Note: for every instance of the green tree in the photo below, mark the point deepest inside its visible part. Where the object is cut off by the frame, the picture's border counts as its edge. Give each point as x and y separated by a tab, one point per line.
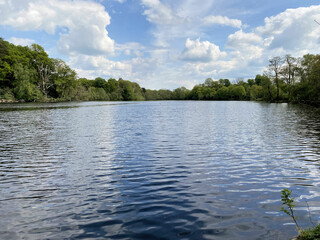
64	79
275	68
126	90
251	82
112	85
197	93
23	87
237	92
209	83
100	83
225	82
267	88
258	79
223	93
256	92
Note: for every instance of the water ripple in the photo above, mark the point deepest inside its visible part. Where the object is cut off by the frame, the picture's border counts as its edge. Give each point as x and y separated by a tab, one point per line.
156	170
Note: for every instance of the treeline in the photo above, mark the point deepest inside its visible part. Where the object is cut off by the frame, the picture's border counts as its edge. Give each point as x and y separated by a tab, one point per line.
287	79
28	74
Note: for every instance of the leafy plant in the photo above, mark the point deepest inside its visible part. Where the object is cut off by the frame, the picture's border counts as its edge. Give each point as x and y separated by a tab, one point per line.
288	201
310	234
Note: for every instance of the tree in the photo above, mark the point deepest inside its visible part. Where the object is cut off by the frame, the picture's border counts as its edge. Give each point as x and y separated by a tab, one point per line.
288	72
23	87
4	48
258	79
43	64
251	82
208	93
225	82
256	92
223	93
180	93
100	83
197	93
237	92
126	90
86	83
64	79
112	85
267	88
209	82
165	94
275	67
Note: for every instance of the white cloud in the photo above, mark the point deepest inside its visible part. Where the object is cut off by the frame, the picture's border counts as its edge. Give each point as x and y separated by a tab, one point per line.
293	30
159	13
245	46
131	49
201	51
21	41
194	9
99	66
222	20
97	63
170	21
240	39
145	71
290	32
84	23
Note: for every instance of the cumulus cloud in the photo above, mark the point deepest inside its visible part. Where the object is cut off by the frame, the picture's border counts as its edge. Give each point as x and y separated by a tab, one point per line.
159	13
171	20
21	41
145	71
293	30
201	51
222	20
245	46
240	38
99	66
84	23
98	62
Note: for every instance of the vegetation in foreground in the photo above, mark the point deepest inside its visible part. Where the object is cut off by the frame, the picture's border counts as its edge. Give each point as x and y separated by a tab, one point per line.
310	234
307	234
29	74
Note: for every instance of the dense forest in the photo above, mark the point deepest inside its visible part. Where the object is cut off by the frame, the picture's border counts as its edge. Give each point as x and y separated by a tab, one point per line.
28	74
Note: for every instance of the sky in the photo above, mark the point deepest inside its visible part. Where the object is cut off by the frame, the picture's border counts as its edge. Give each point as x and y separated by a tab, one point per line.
164	44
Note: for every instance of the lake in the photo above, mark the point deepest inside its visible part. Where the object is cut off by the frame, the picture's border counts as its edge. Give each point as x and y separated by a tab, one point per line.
157	170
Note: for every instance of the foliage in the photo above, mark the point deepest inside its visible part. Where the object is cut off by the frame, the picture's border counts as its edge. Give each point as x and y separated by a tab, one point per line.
288	201
307	234
310	234
23	86
6	94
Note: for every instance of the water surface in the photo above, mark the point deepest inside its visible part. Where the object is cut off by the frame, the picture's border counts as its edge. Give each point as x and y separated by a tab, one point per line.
156	170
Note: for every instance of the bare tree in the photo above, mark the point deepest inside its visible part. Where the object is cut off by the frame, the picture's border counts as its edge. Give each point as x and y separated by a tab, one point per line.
45	73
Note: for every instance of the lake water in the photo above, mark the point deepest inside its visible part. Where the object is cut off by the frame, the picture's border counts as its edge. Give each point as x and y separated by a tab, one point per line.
157	170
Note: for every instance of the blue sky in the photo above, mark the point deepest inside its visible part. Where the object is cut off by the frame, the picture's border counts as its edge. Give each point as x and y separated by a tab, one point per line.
164	43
